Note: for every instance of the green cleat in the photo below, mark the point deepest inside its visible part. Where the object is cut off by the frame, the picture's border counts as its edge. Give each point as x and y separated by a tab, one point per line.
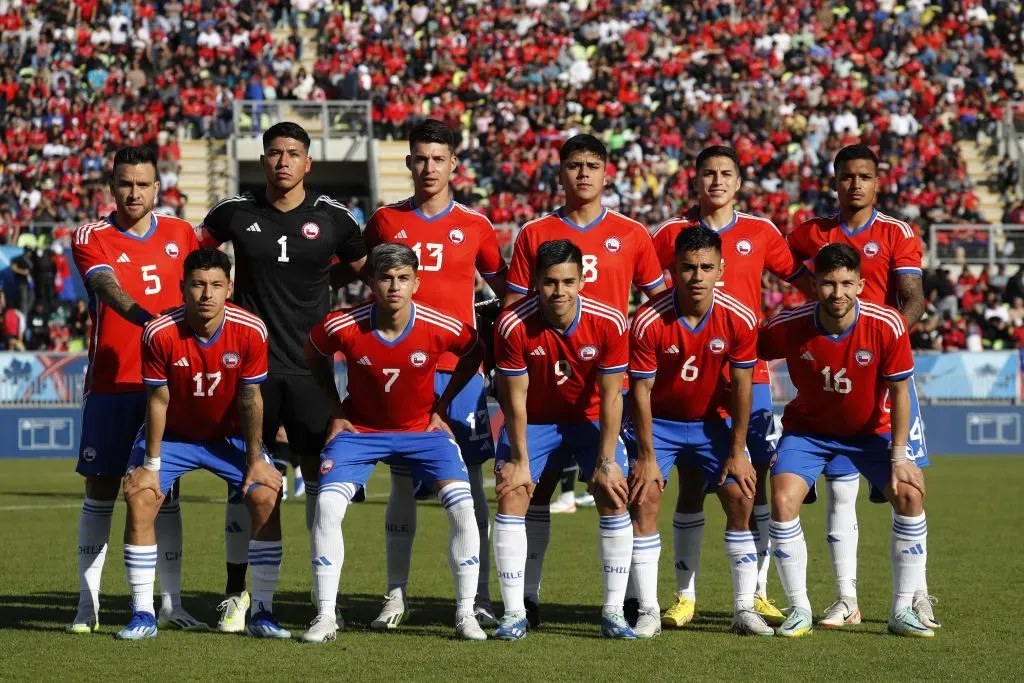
906	623
798	623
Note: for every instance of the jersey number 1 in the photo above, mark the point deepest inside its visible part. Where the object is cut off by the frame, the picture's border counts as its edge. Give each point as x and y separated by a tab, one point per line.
283	258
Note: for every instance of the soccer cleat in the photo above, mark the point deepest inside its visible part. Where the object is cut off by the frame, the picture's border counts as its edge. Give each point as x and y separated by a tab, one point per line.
178	618
749	623
842	612
564	504
300	488
339	620
142	626
679	614
907	624
798	623
631	610
768	611
923	607
483	610
322	629
233	611
615	626
85	623
263	625
532	612
512	627
648	623
392	614
585	500
468	628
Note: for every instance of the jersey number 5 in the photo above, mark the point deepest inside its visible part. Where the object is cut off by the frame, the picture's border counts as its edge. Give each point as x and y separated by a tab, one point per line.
151	279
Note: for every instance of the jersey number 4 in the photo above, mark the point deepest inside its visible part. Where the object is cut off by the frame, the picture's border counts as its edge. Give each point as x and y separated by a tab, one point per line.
212	380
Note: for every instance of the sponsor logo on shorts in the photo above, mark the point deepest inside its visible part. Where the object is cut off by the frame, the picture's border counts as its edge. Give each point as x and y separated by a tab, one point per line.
326	465
230	360
310	231
717	345
612	244
456	236
744	248
871	249
171	249
588	352
863	357
418	359
89	454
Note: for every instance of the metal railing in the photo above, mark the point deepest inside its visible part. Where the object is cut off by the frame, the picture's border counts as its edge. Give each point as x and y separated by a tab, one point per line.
977	244
1011	139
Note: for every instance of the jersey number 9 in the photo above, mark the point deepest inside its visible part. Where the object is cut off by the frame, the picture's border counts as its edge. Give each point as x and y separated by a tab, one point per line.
562	370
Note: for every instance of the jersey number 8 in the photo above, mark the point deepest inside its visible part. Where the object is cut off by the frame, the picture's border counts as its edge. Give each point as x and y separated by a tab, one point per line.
589	268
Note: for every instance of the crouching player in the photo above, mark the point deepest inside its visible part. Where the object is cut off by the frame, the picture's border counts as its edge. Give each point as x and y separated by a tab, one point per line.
846	357
202	365
560	359
392	347
680	342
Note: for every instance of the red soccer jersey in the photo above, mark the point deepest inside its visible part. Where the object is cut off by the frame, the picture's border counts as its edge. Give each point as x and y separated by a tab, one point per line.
149	270
451	247
840	381
750	245
688	364
203	377
617	252
391	384
563	367
887	247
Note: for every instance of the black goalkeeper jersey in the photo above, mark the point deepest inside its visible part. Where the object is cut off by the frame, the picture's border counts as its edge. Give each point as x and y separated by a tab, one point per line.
282	264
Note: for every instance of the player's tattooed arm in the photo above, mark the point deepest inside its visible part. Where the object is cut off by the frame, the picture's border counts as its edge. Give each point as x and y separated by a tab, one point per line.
250	412
104	283
608	477
911	290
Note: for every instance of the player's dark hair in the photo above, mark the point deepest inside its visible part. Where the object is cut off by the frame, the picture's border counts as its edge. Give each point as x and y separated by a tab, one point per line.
133	156
715	151
385	257
855	153
286	129
584	142
835	256
556	252
430	131
207	258
697	238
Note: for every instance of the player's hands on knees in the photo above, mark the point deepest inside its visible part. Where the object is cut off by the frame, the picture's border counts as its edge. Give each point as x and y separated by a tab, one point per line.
908	474
438	423
336	426
644	477
608	478
512	476
262	472
739	467
140	479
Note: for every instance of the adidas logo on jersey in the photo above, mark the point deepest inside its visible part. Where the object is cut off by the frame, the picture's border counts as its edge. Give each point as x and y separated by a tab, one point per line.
182	362
365	360
123	258
400	235
539	351
255	227
806	355
673	349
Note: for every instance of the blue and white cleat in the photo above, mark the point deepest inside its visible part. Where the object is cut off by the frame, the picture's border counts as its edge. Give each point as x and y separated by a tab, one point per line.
799	622
907	624
142	626
512	627
263	625
615	626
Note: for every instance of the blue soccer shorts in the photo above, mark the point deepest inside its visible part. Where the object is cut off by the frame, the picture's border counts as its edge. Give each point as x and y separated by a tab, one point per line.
110	426
224	457
761	437
554	446
469	418
430	457
702	444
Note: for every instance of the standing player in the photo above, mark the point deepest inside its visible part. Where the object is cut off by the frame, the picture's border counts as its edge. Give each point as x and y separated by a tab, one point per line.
560	358
850	361
750	245
451	243
284	241
617	254
681	343
202	365
392	347
891	263
131	264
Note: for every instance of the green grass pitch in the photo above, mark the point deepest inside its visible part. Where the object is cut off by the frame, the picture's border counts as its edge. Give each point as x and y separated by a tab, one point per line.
974	567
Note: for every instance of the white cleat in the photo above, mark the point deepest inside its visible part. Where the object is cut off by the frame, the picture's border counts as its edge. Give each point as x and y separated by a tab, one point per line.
648	623
585	500
233	611
392	614
923	608
323	629
86	622
564	504
467	628
842	612
483	610
177	618
749	623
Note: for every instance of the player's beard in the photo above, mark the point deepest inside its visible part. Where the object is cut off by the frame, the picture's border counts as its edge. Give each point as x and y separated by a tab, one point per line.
839	309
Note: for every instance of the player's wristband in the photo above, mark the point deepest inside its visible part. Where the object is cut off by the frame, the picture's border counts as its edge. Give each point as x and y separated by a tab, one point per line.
152	464
899	453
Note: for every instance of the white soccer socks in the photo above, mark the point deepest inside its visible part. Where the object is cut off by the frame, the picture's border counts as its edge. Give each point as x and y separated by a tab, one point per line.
742	554
483	525
842	533
510	556
169	545
93	534
265	568
399	531
762	513
687	533
615	548
644	572
538	535
327	544
790	552
909	553
463	544
140	568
